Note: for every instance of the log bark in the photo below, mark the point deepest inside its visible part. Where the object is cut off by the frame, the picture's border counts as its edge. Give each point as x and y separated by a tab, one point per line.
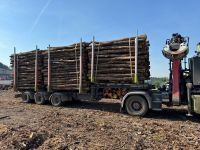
111	65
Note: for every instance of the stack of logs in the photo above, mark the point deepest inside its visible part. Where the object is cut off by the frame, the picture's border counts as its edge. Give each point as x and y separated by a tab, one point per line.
114	93
114	61
65	67
25	70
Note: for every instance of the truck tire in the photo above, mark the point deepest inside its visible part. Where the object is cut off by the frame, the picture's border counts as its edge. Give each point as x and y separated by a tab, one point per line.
136	106
27	97
39	98
56	99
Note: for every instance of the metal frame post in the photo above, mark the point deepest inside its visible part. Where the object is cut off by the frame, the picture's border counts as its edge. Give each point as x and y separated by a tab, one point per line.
92	60
136	60
131	66
14	71
49	70
36	69
81	68
17	70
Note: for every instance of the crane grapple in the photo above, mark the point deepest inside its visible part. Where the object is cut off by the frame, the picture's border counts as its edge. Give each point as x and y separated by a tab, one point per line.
176	48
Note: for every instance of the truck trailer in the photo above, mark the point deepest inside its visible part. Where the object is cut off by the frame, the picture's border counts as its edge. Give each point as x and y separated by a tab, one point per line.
87	71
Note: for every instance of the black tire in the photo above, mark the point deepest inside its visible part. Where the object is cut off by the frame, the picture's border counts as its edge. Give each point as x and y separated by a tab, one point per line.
56	99
39	98
27	97
136	106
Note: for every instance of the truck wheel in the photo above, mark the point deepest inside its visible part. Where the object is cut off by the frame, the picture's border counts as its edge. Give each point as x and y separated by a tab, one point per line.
39	98
56	99
136	106
27	97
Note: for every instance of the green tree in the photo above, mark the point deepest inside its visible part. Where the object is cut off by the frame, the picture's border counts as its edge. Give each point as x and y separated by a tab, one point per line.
157	84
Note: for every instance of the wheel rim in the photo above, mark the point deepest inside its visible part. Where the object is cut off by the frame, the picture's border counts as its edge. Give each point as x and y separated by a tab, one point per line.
39	98
136	106
25	97
56	101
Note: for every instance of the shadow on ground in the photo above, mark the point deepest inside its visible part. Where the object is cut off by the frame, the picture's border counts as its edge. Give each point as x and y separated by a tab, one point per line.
170	113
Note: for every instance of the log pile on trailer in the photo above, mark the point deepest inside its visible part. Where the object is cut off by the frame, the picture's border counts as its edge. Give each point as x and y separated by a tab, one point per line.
114	93
28	65
114	61
62	68
65	67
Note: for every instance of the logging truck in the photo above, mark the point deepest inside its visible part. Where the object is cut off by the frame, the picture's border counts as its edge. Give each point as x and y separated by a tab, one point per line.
53	76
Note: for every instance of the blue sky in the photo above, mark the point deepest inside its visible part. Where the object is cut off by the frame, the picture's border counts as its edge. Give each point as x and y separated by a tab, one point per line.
25	23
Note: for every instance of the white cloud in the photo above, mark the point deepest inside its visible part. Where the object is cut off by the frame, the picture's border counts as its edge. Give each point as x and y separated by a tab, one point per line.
39	15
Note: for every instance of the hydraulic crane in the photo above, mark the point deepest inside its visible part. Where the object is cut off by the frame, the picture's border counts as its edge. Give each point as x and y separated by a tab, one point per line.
184	84
175	50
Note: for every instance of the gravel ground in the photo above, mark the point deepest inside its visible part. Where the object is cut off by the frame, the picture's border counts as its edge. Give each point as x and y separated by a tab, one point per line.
90	125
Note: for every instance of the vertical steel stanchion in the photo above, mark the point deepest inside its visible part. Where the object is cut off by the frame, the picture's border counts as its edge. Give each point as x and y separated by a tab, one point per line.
92	61
14	71
36	69
81	68
49	70
130	55
136	60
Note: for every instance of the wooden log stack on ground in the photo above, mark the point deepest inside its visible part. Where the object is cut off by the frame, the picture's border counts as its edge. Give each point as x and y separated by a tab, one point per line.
25	70
114	61
65	67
